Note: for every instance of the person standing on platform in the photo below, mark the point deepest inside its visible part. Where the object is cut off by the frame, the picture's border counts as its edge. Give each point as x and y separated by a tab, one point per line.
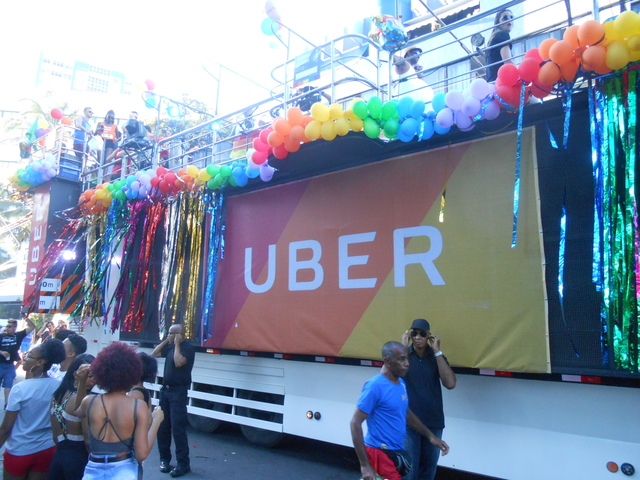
83	132
428	369
10	342
499	50
109	134
179	356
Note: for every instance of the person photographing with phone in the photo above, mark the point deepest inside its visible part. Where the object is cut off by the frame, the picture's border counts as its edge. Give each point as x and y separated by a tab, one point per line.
428	370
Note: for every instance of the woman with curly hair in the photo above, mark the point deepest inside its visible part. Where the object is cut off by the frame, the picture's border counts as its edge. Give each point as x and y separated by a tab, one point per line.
26	428
72	447
121	430
149	370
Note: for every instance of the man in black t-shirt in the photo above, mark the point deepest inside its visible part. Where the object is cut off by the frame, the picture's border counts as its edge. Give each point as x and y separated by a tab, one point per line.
179	356
9	353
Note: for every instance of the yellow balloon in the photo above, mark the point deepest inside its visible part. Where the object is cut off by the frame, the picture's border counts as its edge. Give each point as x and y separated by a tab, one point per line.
626	24
634	43
617	55
342	126
99	194
42	123
335	111
328	131
610	32
312	130
348	114
193	171
356	124
320	112
204	175
634	56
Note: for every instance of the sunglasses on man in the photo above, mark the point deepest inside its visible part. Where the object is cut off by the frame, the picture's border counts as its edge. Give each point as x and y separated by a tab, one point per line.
415	333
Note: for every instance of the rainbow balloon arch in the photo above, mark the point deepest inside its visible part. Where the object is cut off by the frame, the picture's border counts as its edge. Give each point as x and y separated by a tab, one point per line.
589	50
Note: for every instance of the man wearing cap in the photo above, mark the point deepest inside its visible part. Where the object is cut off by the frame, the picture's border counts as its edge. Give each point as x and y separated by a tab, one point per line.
411	78
428	369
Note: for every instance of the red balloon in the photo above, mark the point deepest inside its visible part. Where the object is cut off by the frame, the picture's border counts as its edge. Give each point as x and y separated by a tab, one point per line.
529	69
265	133
164	187
161	171
154	181
259	157
535	54
280	152
511	95
259	145
508	74
57	113
170	177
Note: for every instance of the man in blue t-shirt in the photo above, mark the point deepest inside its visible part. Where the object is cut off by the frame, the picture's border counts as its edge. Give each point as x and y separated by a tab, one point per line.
10	342
384	404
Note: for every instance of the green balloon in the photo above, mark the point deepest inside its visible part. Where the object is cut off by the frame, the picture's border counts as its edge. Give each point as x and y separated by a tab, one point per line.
389	110
360	109
232	181
213	170
211	184
375	107
120	195
391	128
371	128
218	180
225	171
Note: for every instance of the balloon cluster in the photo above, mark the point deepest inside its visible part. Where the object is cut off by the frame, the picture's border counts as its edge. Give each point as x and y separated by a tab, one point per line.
34	174
328	122
57	114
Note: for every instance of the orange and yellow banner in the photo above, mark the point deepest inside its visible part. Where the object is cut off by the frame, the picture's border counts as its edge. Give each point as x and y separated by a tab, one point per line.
339	264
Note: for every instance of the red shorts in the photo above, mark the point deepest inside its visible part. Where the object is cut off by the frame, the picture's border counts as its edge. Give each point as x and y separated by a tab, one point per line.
382	464
19	465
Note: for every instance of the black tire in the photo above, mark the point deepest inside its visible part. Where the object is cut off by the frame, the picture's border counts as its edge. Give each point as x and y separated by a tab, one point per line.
204	424
262	437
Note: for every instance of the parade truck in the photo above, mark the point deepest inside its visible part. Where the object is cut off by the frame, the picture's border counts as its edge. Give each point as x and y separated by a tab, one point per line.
516	237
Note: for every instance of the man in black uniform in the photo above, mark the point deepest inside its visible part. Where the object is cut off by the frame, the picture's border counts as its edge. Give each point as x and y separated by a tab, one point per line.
10	342
179	355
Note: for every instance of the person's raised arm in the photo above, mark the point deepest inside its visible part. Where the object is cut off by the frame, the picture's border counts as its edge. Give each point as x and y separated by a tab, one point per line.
157	352
178	358
447	375
81	374
30	325
415	423
357	436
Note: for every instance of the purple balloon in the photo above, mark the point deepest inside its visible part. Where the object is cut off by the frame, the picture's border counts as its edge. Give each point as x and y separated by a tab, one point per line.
266	172
491	111
444	118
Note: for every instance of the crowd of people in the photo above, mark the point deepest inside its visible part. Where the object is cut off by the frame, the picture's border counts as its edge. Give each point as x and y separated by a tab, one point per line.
57	427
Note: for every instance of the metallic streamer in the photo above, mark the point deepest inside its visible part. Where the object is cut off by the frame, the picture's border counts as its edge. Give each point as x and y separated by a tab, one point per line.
516	187
216	214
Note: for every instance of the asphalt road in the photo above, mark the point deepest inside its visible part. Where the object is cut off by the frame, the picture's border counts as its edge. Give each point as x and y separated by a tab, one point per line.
226	454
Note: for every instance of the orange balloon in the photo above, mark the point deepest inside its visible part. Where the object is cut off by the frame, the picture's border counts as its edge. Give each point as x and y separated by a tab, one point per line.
291	145
545	45
65	121
549	74
593	58
296	134
282	126
294	116
275	139
571	35
306	120
561	52
569	71
590	32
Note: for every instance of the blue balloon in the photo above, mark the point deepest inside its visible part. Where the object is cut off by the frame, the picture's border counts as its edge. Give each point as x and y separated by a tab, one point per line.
427	129
417	109
252	172
404	137
409	127
431	114
439	130
438	102
404	106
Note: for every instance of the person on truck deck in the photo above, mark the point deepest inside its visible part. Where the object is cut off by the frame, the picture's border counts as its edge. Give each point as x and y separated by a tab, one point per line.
179	356
499	51
428	368
384	404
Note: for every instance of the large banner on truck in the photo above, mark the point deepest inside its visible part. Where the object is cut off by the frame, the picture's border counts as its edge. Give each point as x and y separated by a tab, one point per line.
339	264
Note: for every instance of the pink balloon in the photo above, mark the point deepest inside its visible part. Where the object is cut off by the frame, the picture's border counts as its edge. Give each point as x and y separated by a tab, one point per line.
259	157
259	145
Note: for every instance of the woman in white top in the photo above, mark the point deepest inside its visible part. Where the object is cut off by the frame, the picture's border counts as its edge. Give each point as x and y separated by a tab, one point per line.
26	428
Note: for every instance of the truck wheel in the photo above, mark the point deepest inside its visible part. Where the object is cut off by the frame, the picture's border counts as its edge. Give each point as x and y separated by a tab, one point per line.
261	437
204	424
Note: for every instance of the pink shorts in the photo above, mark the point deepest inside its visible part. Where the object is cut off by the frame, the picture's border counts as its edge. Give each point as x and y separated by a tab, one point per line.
382	464
19	465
